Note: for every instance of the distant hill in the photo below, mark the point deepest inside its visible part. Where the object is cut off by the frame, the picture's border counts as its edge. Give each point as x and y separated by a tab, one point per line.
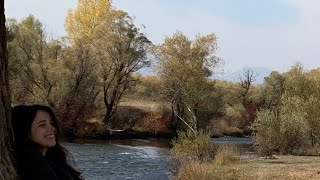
261	72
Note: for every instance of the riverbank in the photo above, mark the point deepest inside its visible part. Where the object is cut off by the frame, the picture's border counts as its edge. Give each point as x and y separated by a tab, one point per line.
283	167
123	135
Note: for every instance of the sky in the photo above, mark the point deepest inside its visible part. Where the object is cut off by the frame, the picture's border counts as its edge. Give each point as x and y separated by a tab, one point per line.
273	34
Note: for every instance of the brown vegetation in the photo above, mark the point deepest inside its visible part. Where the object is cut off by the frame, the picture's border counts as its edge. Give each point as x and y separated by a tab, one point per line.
283	167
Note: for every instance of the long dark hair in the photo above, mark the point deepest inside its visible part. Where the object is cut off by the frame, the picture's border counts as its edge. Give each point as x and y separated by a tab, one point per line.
22	117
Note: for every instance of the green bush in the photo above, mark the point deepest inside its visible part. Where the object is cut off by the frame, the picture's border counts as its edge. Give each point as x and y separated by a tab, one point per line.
283	130
267	131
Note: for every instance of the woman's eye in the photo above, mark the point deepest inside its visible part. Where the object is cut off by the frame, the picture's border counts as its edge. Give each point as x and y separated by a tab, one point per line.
42	125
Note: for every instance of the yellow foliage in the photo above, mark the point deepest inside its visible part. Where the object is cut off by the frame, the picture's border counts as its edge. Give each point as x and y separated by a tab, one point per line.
90	19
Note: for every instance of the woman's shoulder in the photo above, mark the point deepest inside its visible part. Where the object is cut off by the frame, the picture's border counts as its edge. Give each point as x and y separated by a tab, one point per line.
34	166
30	158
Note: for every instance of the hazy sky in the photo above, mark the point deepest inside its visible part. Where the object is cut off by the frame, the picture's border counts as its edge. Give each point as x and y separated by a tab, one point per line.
251	33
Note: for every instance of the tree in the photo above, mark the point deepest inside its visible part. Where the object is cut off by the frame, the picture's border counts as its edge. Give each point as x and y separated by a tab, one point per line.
297	83
34	65
292	122
304	85
7	167
118	47
89	20
284	131
123	56
184	67
246	79
81	87
273	89
245	96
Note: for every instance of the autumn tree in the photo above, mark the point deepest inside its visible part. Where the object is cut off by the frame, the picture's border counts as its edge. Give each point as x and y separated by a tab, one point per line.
122	57
272	90
313	113
34	66
119	48
90	20
245	95
304	86
81	87
184	66
297	83
7	167
51	72
292	126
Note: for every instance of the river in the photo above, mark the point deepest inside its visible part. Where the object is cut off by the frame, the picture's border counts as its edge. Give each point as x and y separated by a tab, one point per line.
129	159
111	160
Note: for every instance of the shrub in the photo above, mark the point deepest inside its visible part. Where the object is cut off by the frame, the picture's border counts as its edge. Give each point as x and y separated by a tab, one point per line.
313	151
156	122
233	131
126	117
234	112
90	130
193	146
267	129
225	154
283	130
217	126
199	159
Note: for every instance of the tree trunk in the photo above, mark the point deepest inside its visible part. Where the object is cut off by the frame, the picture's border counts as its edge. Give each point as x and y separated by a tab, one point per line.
7	168
108	114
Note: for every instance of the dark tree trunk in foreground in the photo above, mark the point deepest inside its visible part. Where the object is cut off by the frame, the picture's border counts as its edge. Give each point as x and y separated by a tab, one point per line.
7	168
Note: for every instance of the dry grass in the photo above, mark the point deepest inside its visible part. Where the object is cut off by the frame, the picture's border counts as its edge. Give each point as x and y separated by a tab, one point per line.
205	171
146	105
225	154
195	170
282	168
208	170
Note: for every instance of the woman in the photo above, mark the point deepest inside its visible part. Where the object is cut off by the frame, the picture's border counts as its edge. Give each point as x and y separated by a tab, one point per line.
38	152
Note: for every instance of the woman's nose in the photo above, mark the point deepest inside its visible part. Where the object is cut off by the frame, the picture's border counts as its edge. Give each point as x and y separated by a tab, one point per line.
52	128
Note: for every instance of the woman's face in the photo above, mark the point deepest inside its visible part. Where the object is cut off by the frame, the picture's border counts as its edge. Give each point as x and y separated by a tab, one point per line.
42	131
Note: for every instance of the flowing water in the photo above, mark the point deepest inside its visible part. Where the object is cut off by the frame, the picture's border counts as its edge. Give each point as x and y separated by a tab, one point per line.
106	160
245	146
131	159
